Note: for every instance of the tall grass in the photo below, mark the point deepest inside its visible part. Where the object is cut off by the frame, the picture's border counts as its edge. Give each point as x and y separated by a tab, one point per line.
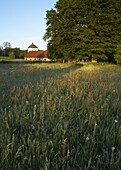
57	116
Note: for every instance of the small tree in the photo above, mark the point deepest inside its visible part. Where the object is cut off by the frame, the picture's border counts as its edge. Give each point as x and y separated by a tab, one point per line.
118	55
7	48
11	55
1	50
6	45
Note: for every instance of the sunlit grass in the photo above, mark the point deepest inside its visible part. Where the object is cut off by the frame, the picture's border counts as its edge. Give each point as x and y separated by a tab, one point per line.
60	116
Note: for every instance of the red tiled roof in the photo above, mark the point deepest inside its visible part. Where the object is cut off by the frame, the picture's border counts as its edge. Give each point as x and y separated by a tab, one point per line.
36	54
32	46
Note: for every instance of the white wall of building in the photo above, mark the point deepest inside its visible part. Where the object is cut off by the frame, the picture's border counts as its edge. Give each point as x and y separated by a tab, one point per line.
32	49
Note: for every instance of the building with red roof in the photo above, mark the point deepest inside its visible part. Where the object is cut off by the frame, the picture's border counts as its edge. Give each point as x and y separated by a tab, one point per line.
32	47
35	54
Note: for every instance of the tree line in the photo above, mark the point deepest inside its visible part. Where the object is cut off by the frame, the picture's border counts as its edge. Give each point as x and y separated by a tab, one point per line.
6	50
84	29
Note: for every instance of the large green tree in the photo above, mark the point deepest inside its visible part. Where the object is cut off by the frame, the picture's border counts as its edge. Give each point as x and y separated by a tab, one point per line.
84	28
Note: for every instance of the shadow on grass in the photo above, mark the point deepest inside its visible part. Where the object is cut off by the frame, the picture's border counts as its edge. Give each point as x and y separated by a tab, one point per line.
21	74
68	69
17	75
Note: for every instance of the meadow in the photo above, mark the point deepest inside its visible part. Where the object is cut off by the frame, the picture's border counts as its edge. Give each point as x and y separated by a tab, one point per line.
60	117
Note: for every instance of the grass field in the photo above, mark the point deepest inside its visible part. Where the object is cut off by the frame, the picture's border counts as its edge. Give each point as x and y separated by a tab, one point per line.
60	117
5	58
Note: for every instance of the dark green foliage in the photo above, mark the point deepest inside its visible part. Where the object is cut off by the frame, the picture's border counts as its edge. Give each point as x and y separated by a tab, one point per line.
11	55
18	52
118	55
83	29
7	51
53	52
1	50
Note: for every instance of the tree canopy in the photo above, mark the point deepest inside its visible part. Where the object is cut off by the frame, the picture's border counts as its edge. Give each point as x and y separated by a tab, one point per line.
118	55
80	29
7	51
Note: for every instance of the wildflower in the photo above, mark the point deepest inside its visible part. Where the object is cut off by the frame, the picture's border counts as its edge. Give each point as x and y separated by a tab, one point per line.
95	124
87	138
116	121
113	148
27	102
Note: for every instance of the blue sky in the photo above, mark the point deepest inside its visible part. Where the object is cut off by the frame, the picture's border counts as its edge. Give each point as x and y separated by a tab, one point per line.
23	22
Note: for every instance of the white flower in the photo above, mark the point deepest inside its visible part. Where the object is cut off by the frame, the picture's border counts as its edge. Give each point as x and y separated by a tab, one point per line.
87	138
27	102
95	124
113	148
116	121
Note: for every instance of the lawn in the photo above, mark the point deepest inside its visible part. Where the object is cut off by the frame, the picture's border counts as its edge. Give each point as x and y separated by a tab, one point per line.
60	117
5	58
